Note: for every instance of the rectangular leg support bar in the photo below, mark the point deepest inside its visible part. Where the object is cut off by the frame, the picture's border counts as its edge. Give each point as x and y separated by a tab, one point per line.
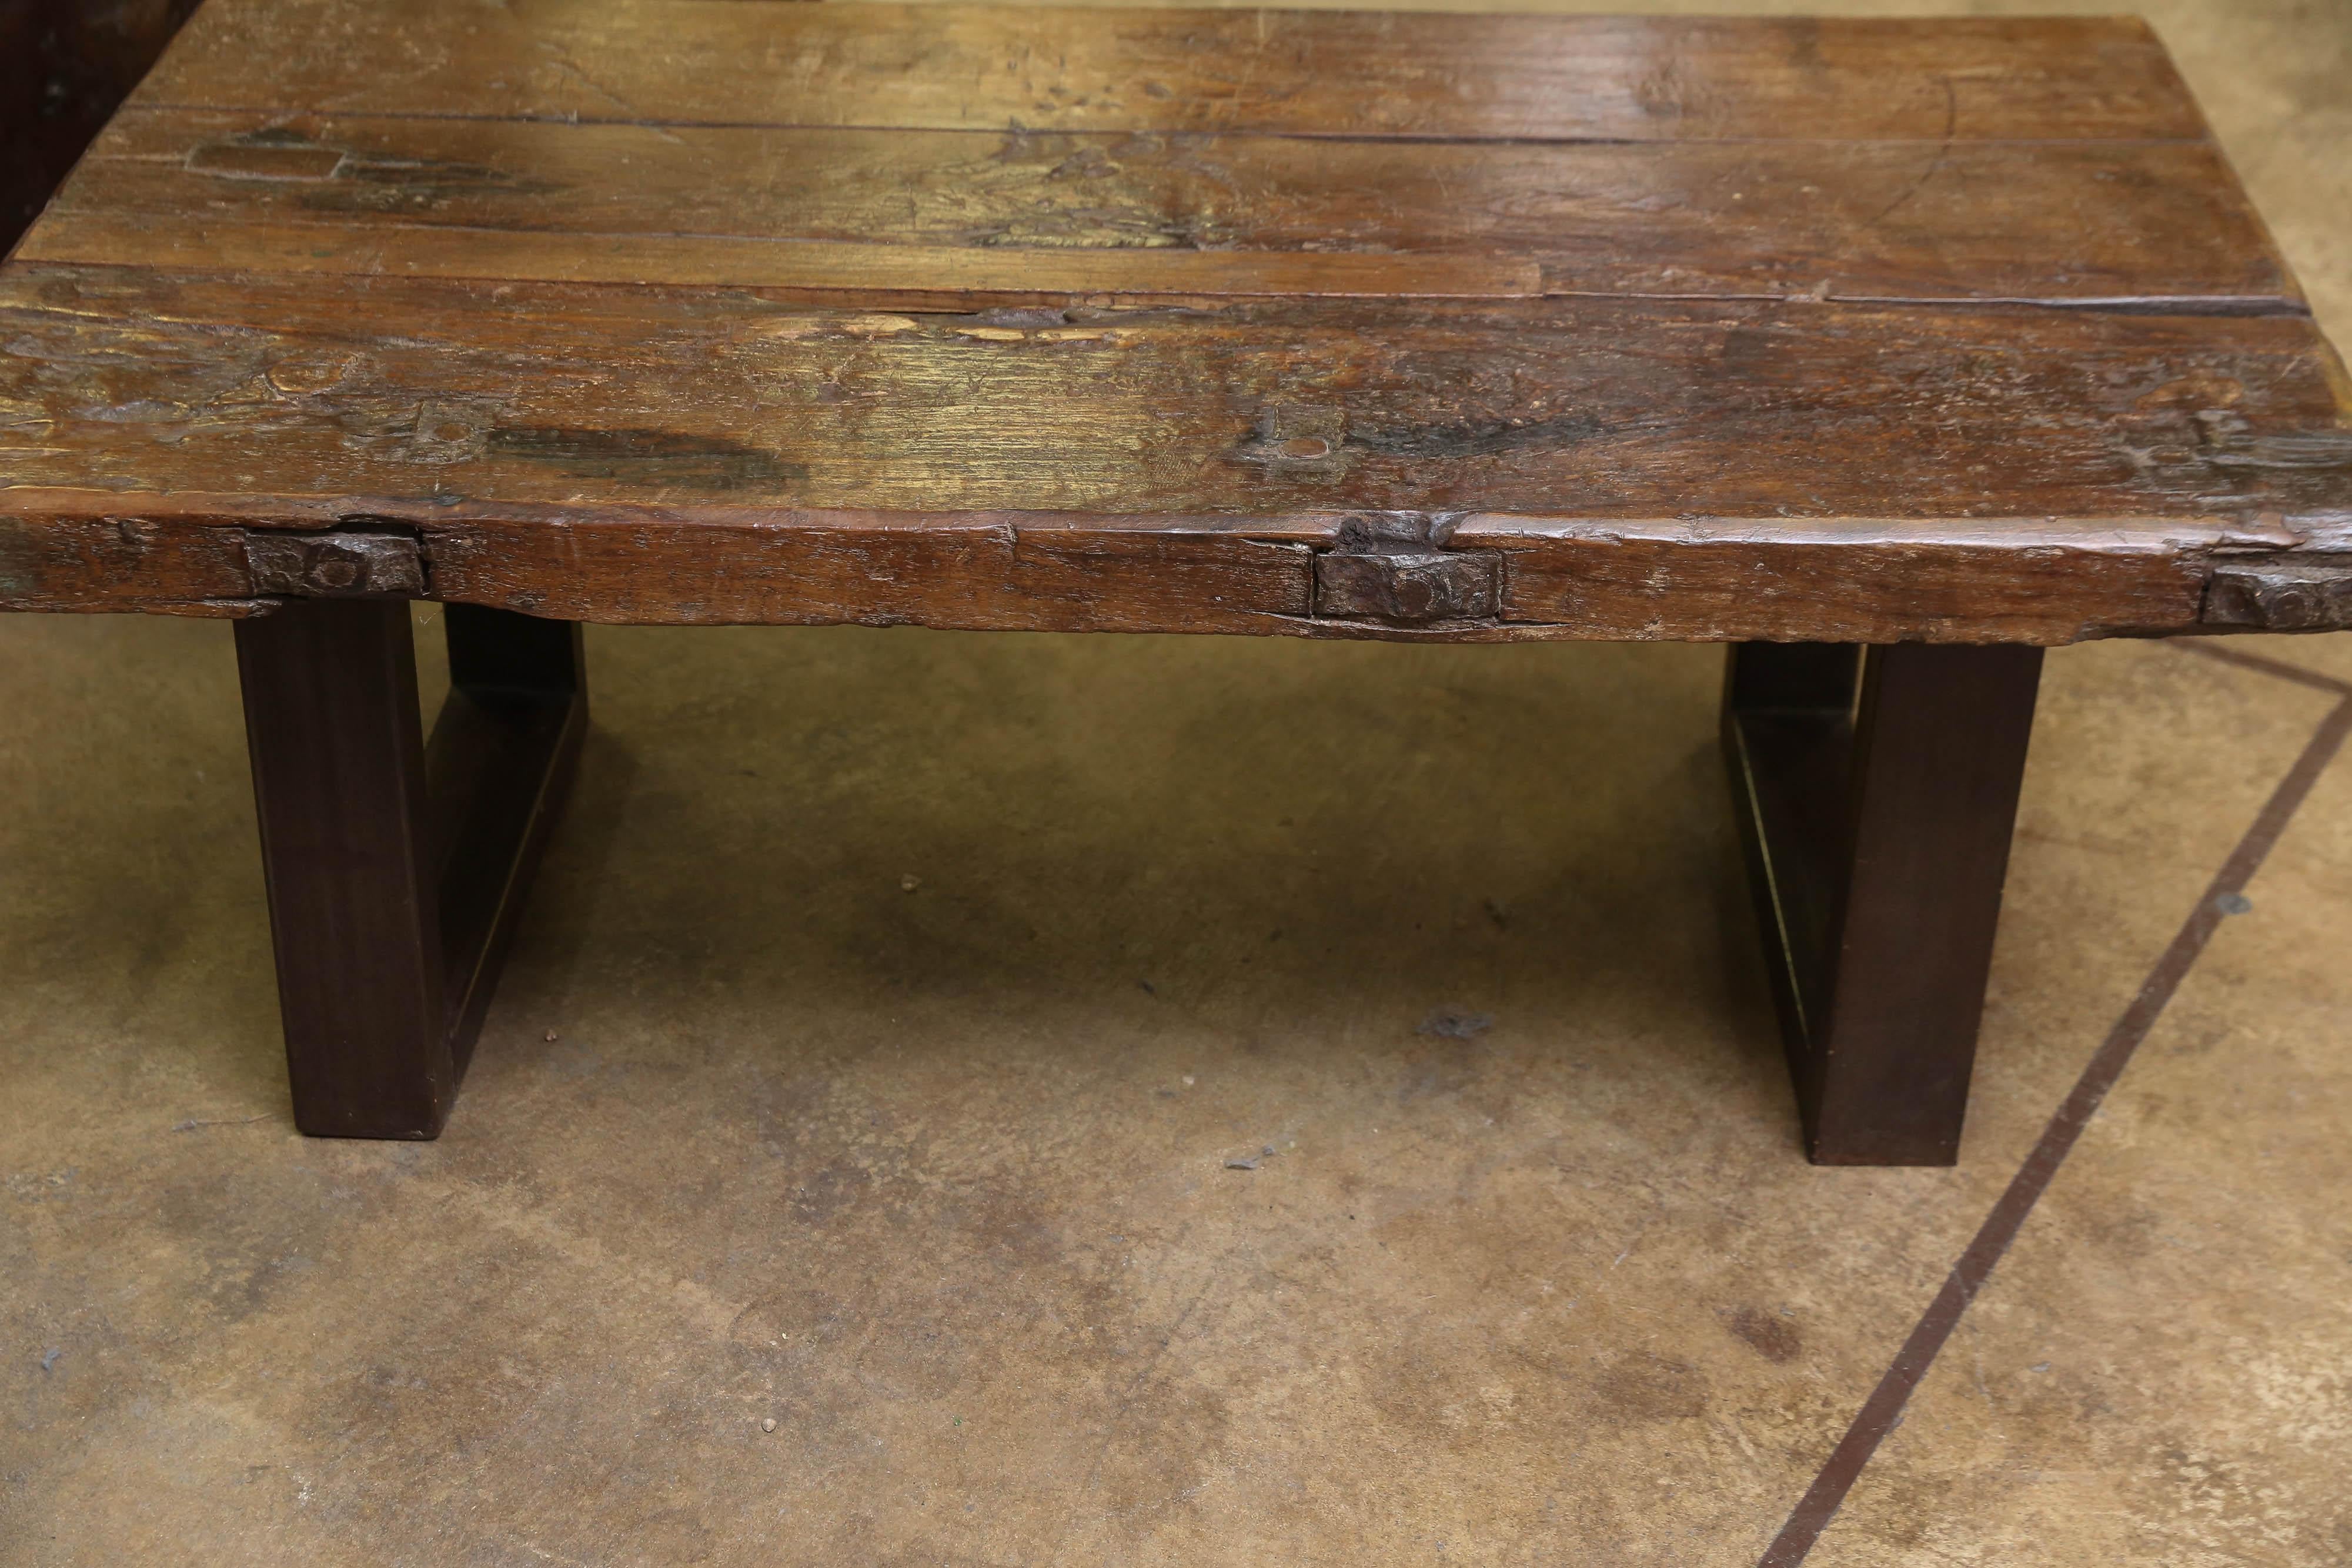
396	866
1876	816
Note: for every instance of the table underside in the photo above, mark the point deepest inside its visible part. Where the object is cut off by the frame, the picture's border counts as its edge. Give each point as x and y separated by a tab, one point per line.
1463	327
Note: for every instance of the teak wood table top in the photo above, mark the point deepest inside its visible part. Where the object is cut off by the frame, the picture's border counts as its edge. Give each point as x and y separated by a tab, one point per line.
1326	323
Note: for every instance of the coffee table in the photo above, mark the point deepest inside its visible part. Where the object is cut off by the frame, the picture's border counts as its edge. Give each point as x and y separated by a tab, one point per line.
1887	352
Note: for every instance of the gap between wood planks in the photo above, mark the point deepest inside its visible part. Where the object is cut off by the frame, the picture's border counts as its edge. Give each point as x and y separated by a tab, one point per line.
880	274
1884	1408
1508	139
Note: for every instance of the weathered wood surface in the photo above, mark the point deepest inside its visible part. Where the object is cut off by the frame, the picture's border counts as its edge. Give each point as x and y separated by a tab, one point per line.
1057	213
692	455
1322	73
679	310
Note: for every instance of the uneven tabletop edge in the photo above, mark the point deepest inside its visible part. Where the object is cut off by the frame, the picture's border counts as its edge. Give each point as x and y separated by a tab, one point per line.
1499	577
1486	529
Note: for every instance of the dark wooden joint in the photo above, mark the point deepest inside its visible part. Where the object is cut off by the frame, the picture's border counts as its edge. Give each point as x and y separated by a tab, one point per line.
1393	565
2281	596
396	865
1875	794
1409	588
344	565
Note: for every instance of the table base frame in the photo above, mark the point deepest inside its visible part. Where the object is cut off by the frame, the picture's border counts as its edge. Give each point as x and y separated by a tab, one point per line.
1875	791
396	864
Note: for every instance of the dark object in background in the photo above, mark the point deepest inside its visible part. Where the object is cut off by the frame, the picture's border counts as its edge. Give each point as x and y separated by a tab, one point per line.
64	65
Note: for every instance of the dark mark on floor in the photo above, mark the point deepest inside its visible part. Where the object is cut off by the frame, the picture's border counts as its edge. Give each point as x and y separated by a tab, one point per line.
1450	1023
1772	1338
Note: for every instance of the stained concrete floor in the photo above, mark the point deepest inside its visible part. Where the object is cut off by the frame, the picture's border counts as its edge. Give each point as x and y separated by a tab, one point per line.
892	1003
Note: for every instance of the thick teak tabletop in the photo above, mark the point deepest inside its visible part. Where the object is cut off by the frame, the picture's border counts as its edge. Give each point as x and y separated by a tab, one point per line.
1320	323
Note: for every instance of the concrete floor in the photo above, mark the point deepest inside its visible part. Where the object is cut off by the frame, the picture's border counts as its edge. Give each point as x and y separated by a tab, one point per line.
891	1004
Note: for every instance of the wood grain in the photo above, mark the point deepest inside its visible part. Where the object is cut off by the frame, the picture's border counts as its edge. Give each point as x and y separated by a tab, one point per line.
971	276
2015	581
1323	73
649	454
701	311
1092	574
411	397
1042	213
93	562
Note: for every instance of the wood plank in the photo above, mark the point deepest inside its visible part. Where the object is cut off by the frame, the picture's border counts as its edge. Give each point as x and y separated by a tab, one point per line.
1991	579
1035	213
971	574
1321	73
410	397
2022	580
95	562
1086	574
977	274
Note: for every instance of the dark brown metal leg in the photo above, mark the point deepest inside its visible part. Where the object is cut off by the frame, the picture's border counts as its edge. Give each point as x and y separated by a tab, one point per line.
1876	816
395	868
500	761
